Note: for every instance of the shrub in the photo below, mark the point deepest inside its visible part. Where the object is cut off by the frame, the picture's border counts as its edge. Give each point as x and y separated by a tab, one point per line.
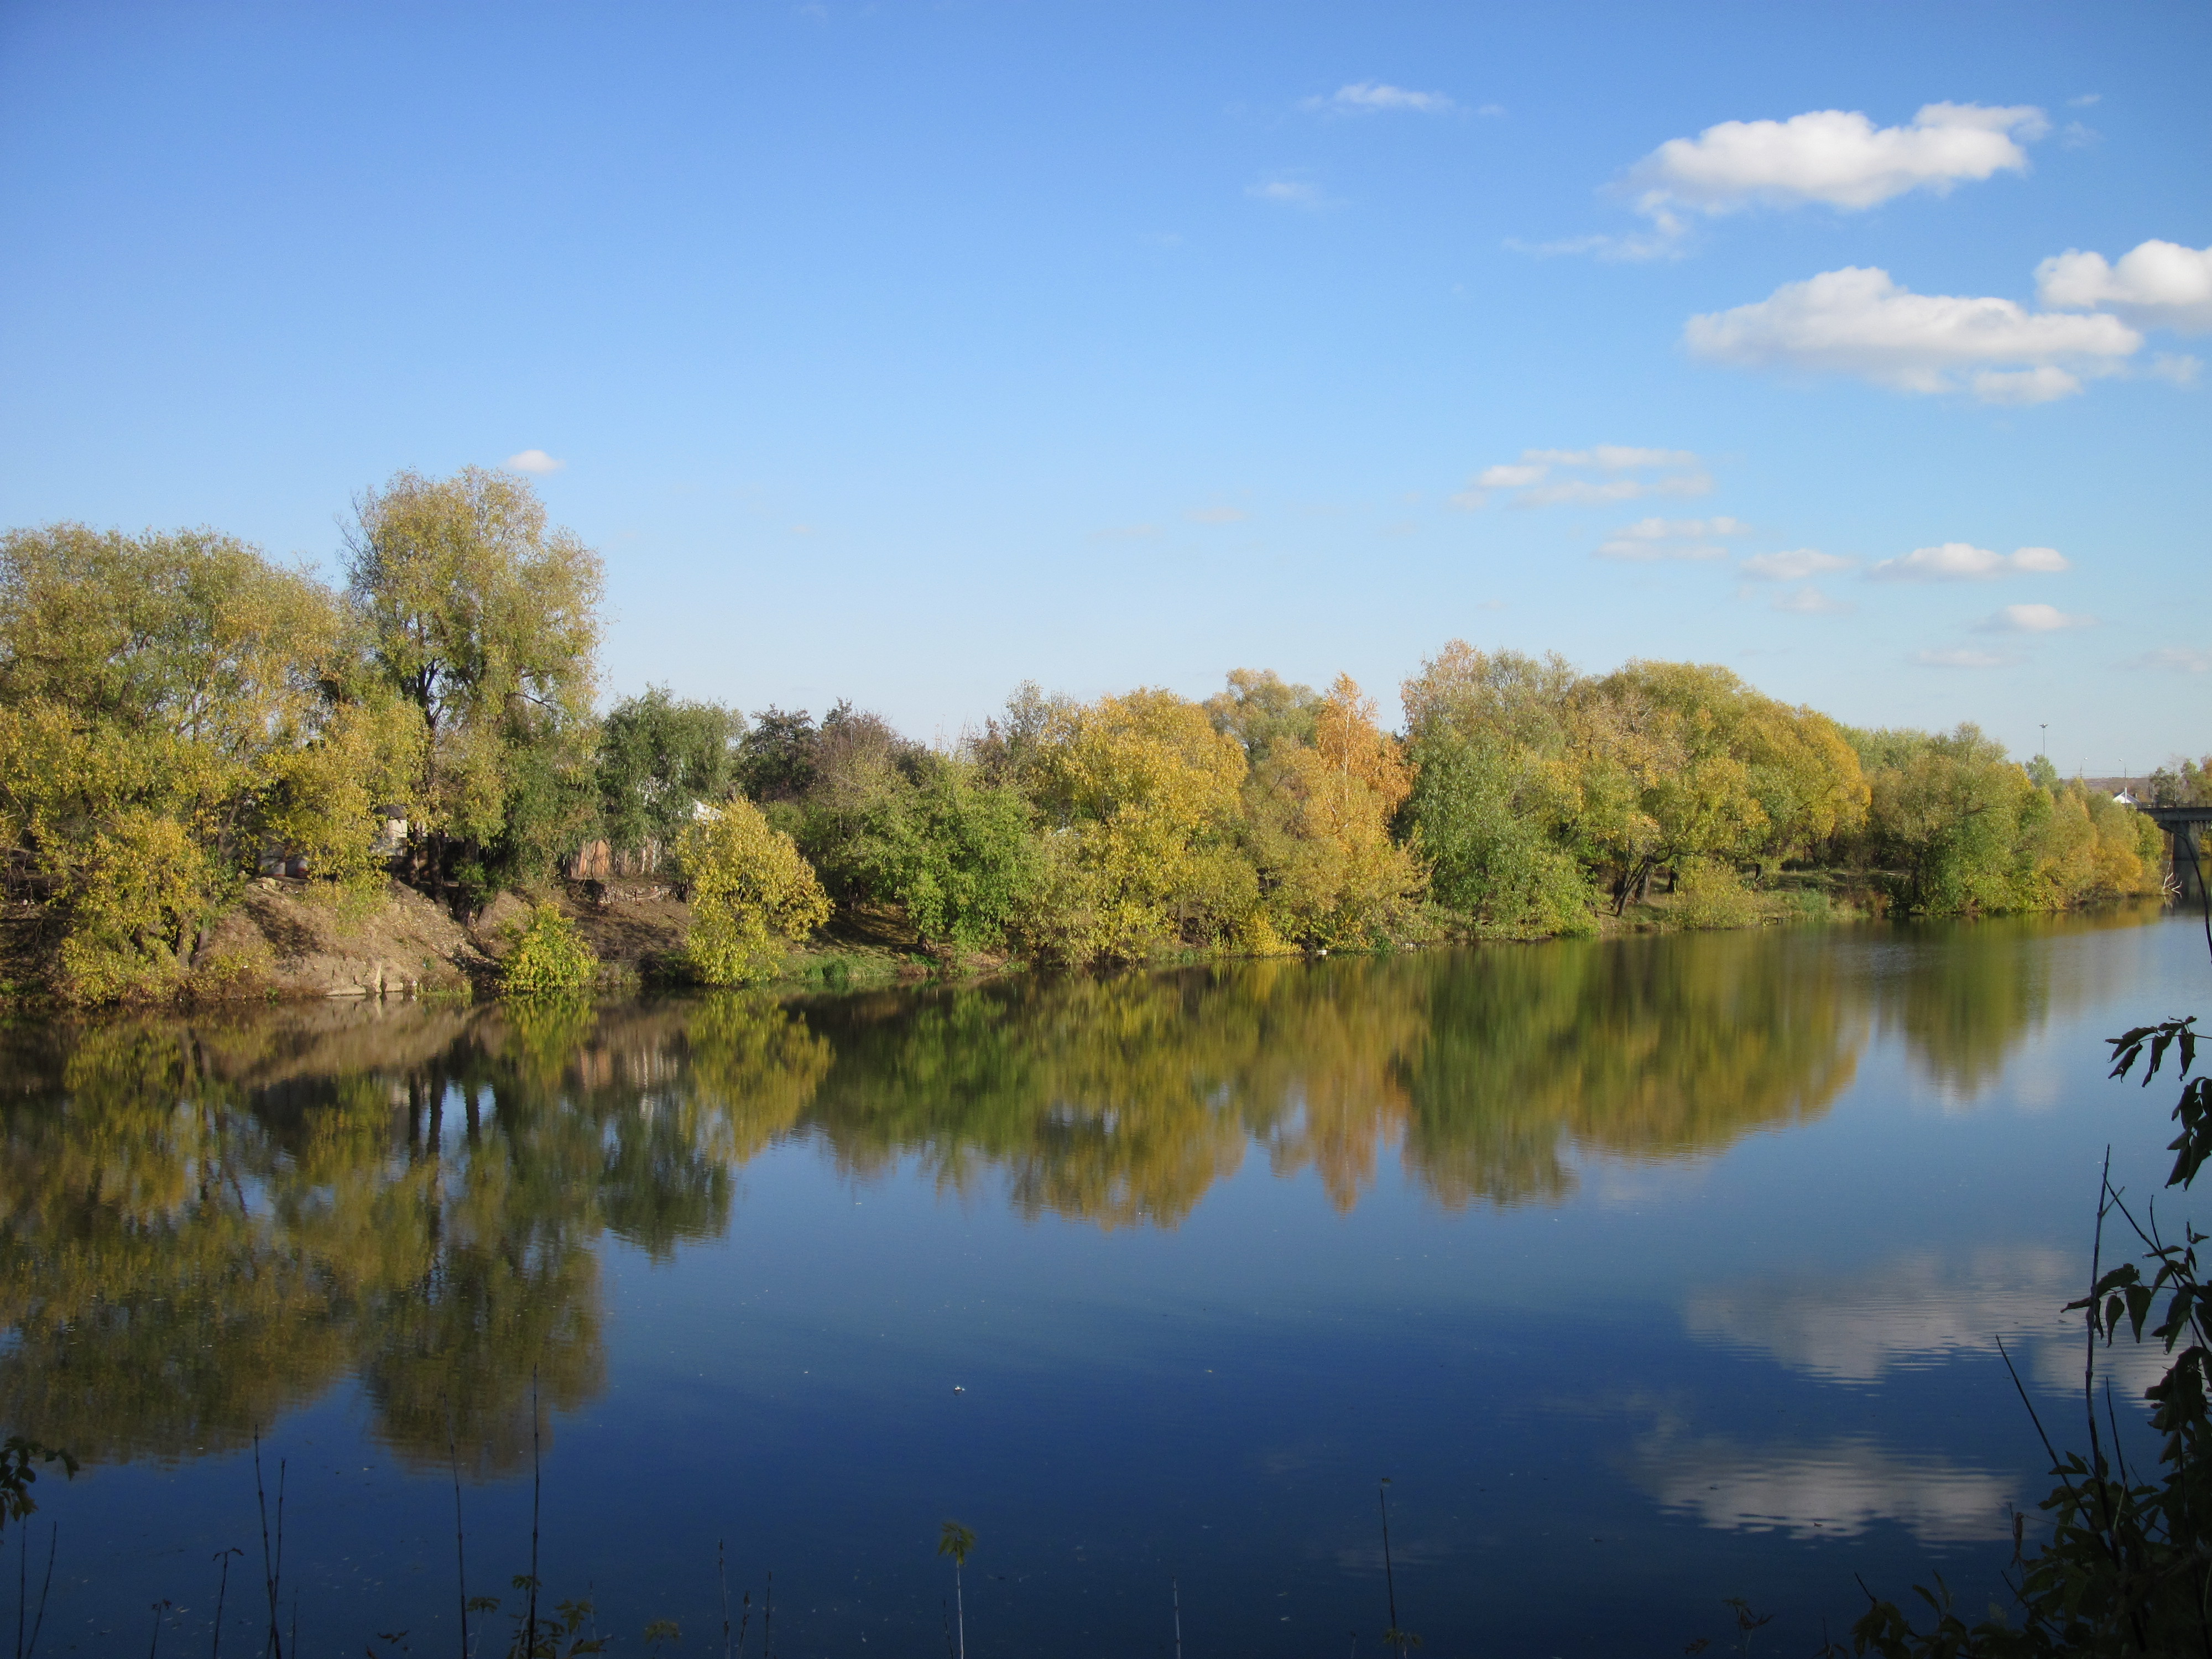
1708	894
753	895
550	954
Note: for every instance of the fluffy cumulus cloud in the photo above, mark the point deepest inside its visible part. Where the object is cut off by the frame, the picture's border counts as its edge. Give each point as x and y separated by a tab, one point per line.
1671	538
1958	561
1376	97
535	460
2032	619
1605	473
1857	321
1794	566
2154	285
1834	156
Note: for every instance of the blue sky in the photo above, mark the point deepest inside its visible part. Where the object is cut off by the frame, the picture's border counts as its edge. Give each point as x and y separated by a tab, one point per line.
903	352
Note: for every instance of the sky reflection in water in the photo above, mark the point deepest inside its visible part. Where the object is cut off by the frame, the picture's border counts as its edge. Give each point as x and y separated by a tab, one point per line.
1653	1272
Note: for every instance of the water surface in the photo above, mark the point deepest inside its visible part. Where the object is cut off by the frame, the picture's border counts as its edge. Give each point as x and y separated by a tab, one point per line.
1652	1272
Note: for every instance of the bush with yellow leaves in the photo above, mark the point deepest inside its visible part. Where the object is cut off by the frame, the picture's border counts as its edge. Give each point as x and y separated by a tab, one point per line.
753	895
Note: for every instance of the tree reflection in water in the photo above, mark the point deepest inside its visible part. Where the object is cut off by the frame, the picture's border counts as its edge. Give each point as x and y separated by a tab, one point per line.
205	1221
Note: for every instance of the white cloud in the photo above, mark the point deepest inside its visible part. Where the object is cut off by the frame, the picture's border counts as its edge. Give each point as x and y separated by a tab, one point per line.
1216	515
1835	157
535	460
2084	100
1290	193
1665	243
1508	477
2024	387
1611	458
1958	657
1837	1488
2077	135
1538	476
2032	619
1857	321
1810	601
2180	658
1496	111
2154	285
1794	566
1585	492
1955	561
1671	538
1916	1310
1369	97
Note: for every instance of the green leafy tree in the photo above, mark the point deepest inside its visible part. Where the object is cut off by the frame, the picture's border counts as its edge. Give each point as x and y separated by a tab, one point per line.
2186	784
1496	790
775	761
960	855
1946	816
659	759
1264	713
485	621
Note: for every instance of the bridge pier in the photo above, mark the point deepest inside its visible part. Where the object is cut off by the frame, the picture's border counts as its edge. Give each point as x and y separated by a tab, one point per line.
2188	845
2183	842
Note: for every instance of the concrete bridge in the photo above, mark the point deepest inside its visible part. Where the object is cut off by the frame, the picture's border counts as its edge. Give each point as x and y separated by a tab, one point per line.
2189	847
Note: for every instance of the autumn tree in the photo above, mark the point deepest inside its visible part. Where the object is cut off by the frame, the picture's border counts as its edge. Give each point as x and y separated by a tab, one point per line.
753	896
1663	738
1143	792
1264	713
485	621
1805	776
1342	879
170	706
1944	816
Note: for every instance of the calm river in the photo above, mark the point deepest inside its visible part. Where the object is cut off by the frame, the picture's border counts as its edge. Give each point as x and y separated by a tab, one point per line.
1651	1271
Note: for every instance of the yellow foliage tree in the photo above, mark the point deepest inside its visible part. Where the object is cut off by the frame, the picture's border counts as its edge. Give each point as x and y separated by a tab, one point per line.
1343	880
169	706
1145	793
1662	750
753	895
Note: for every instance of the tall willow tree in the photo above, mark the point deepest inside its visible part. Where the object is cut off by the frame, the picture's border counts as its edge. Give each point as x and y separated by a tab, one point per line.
486	623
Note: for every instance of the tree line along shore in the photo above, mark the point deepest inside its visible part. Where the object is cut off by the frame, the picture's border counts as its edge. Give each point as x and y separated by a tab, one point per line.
180	716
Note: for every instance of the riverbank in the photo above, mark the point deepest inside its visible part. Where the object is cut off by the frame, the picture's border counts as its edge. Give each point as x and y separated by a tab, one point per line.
288	940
